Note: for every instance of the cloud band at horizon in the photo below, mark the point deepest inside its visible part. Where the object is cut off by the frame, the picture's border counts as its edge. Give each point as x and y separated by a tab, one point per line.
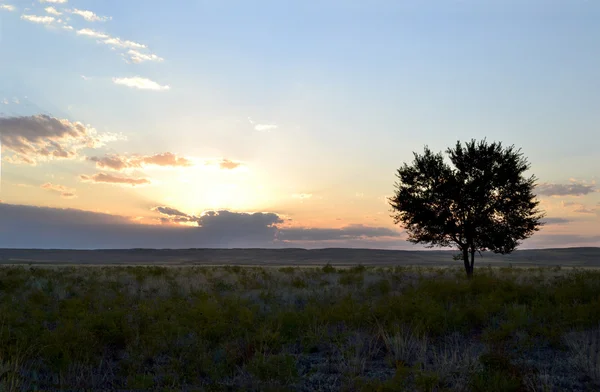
54	228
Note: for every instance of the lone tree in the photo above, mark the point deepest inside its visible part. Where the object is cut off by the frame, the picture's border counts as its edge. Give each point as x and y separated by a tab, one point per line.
482	202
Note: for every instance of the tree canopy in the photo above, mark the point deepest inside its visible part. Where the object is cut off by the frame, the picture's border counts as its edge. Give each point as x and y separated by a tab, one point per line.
478	201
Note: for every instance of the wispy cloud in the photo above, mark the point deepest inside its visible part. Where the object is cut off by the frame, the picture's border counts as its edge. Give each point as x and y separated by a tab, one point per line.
229	164
350	232
139	57
140	83
556	221
302	195
586	210
131	51
262	127
114	179
92	33
119	162
7	7
52	11
573	189
265	127
38	19
89	15
67	193
117	42
54	1
224	164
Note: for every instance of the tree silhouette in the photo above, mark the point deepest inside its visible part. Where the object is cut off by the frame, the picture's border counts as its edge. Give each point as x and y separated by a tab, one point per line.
480	202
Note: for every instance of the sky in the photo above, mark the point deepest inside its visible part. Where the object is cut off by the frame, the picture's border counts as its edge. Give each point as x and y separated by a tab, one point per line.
274	124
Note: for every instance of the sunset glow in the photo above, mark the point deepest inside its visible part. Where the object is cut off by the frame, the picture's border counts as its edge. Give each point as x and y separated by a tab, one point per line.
284	122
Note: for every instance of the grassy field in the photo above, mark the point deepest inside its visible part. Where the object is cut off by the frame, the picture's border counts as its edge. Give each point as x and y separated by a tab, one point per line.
299	329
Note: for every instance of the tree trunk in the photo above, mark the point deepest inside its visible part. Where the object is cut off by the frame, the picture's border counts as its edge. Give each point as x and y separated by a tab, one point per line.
468	268
472	260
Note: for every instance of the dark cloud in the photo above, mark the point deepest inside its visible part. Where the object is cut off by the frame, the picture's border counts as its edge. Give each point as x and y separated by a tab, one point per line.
113	179
42	227
172	215
228	226
560	240
573	189
41	137
121	162
352	232
169	211
556	221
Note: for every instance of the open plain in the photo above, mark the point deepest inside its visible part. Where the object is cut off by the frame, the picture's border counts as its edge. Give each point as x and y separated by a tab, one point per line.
328	322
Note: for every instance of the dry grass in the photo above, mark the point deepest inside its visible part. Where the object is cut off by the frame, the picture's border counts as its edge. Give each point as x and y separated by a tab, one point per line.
585	351
305	329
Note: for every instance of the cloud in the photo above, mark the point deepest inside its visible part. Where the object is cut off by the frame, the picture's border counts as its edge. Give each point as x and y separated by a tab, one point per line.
174	216
557	221
572	189
140	83
52	11
54	1
7	7
265	127
579	207
560	240
114	179
42	227
262	127
119	43
168	211
225	228
92	33
227	164
584	210
41	137
5	101
227	223
351	232
133	52
67	193
139	57
570	204
89	15
38	19
302	195
118	162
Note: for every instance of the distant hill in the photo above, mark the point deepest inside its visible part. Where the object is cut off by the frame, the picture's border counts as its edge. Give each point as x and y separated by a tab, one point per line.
583	257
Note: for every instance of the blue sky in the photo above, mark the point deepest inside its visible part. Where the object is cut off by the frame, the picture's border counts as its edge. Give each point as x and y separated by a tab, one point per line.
318	101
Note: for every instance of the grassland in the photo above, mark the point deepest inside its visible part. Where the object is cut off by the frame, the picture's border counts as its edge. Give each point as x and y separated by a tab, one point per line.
299	329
